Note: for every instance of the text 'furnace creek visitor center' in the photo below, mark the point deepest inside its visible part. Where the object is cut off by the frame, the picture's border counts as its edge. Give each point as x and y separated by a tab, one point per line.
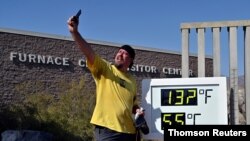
29	57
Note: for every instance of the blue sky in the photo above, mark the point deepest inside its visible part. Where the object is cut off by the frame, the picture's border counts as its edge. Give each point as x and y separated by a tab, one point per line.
147	23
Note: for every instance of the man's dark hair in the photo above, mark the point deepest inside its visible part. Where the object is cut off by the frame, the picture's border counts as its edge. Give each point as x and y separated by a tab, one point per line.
130	50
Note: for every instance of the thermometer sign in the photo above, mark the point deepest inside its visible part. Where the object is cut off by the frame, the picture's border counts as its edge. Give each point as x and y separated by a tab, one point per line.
183	101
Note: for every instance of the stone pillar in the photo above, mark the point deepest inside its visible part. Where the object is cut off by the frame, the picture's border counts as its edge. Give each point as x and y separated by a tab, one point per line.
201	52
233	63
185	53
216	51
247	72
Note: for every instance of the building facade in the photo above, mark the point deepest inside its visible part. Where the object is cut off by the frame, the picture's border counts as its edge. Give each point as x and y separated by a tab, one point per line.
43	59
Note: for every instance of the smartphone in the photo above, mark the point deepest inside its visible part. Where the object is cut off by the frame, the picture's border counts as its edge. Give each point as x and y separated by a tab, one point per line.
78	13
76	17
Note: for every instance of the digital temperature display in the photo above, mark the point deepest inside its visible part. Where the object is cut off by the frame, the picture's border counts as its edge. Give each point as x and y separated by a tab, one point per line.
172	119
179	97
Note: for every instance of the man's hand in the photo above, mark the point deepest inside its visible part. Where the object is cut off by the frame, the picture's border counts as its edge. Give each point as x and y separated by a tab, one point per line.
73	24
139	112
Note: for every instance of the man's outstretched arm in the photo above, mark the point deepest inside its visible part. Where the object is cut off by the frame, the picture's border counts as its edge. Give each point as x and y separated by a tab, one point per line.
82	43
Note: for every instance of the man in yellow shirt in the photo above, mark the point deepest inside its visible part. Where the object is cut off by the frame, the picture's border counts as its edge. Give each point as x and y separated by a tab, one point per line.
115	90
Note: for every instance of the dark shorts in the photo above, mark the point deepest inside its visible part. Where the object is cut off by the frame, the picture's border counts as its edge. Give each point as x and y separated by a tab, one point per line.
105	134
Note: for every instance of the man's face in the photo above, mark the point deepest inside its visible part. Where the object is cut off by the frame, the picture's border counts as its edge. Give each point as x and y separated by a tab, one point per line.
122	59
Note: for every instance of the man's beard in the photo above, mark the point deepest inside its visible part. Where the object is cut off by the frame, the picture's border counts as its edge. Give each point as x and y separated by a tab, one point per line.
118	66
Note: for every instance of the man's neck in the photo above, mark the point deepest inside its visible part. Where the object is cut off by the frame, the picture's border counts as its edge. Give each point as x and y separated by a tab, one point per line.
121	68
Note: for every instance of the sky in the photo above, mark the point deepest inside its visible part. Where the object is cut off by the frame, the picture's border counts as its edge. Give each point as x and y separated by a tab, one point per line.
145	23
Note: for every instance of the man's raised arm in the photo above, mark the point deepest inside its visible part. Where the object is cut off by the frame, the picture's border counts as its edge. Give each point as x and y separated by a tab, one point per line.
82	43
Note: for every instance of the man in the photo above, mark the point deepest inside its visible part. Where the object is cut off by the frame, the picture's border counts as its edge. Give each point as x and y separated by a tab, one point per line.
115	90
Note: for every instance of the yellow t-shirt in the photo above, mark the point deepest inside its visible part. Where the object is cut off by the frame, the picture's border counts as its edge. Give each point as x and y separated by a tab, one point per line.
115	97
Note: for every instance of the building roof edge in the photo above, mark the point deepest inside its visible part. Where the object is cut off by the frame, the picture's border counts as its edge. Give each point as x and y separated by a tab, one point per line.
61	37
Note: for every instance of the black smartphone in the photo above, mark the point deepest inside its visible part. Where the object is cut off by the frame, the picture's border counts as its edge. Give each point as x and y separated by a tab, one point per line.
78	13
76	17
